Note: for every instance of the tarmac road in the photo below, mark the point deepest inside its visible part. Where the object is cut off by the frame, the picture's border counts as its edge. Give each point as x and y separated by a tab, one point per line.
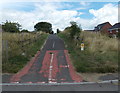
52	65
51	70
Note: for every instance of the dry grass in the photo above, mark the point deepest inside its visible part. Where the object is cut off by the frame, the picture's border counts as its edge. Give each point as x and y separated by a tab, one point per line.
15	43
19	36
98	42
21	47
99	56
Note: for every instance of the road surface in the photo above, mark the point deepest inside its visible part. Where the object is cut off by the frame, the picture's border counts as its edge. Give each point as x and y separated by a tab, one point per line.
51	70
52	65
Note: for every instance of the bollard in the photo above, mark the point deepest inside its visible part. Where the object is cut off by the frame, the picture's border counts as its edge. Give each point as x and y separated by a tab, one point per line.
82	46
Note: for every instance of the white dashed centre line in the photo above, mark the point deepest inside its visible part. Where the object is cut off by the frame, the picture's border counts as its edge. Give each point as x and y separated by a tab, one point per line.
50	70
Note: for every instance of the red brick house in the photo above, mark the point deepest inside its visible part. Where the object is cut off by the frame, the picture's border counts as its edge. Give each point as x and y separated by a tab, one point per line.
113	31
103	28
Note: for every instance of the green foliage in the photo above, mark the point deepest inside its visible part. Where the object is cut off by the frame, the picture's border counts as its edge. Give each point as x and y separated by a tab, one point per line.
51	32
74	29
43	26
16	59
11	27
24	30
89	61
58	31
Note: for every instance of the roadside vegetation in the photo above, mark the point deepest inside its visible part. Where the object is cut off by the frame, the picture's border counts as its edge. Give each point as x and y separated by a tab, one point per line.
18	47
0	49
100	54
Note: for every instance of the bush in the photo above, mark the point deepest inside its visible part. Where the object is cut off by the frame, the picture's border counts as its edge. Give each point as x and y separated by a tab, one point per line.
73	30
11	27
24	30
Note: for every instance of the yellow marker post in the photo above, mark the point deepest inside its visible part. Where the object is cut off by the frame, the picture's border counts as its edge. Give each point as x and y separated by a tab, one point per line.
82	46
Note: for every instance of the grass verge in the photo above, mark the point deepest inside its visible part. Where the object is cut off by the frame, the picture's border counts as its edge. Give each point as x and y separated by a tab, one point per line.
18	58
100	54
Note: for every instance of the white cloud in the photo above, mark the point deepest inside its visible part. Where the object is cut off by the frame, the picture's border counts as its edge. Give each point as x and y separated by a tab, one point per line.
84	3
108	12
43	12
50	12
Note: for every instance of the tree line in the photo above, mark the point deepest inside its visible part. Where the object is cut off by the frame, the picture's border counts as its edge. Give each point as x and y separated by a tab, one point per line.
15	27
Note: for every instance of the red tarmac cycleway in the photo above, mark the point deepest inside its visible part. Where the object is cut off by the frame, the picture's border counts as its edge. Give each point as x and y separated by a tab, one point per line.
50	65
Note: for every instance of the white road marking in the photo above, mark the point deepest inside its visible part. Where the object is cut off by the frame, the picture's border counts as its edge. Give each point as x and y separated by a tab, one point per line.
53	44
50	69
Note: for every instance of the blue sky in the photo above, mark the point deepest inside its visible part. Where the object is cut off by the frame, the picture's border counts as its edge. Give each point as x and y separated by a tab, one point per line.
76	11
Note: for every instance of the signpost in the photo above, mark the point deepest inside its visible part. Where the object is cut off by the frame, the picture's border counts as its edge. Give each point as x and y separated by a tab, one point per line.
82	46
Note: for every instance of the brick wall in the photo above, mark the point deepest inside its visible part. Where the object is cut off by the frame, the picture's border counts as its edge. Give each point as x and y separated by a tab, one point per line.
105	28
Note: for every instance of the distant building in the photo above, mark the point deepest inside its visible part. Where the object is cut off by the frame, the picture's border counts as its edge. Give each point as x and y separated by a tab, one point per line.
103	28
113	31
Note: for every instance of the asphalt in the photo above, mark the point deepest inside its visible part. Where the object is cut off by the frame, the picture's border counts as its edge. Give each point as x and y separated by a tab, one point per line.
114	76
63	87
50	67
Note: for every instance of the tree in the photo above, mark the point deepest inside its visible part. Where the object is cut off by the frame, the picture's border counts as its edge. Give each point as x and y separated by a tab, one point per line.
43	26
24	30
11	27
52	32
74	29
58	31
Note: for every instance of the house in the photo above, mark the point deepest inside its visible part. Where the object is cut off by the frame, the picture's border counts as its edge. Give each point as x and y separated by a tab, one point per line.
113	31
103	28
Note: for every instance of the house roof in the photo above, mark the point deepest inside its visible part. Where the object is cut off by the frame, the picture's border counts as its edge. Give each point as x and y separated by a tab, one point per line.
115	26
99	26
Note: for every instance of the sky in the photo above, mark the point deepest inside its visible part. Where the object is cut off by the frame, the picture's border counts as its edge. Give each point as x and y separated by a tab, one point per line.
59	14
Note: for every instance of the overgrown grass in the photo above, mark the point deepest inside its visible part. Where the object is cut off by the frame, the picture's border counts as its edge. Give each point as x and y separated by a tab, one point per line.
100	54
19	54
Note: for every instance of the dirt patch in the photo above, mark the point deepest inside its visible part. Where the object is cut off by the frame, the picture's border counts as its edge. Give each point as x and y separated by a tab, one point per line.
97	77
